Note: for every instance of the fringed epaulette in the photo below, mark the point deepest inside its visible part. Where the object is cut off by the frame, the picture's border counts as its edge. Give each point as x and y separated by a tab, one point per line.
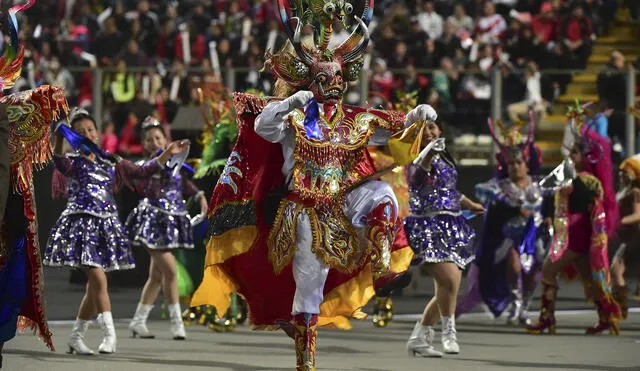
30	115
249	104
591	183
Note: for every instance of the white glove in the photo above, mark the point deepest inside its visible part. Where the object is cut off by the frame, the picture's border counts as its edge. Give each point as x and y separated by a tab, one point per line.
197	219
176	161
60	123
423	112
298	100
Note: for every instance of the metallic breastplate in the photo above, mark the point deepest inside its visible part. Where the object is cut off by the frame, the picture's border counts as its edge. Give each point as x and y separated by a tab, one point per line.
325	167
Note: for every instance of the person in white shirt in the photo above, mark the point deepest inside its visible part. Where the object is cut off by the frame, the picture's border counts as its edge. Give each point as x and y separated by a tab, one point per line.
533	97
460	19
492	26
430	21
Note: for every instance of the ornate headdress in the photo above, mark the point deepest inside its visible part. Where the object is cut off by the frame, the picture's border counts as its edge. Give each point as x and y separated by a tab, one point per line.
588	142
513	143
306	63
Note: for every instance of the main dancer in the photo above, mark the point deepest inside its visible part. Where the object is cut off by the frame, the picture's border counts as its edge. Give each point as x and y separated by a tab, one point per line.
88	234
440	237
514	239
310	266
586	215
161	224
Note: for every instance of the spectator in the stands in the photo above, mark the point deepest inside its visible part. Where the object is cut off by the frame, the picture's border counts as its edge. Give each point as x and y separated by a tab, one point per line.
385	41
612	92
460	19
545	25
491	26
197	46
430	21
413	81
123	90
199	19
381	81
476	94
149	25
60	76
109	140
449	44
178	83
133	56
532	99
401	56
427	58
577	35
108	42
414	37
165	48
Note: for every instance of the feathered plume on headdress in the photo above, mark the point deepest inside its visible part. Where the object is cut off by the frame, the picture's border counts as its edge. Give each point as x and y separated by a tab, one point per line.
586	139
220	130
513	143
13	52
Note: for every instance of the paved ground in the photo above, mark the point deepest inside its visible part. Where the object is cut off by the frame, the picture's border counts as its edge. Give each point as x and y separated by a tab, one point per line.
486	344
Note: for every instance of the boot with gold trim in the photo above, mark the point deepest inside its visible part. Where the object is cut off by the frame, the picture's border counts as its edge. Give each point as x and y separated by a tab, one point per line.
547	319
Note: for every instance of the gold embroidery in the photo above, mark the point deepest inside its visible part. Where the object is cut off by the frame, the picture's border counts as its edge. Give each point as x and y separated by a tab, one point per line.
282	237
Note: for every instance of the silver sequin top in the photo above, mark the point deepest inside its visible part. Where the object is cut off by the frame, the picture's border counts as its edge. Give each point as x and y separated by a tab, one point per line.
166	192
91	184
435	191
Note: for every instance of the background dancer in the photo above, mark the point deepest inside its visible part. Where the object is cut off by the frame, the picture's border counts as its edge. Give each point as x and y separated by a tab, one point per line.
88	234
513	243
161	224
586	215
441	239
628	253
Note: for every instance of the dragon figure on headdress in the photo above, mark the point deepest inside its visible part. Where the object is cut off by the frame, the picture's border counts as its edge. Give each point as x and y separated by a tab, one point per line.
29	115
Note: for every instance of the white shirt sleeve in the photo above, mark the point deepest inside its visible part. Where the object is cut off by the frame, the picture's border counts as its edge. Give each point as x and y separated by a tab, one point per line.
271	123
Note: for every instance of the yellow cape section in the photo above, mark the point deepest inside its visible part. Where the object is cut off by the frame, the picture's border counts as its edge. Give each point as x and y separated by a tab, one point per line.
342	302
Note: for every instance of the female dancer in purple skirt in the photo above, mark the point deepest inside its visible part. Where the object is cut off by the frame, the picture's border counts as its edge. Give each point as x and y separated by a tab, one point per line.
161	224
440	238
88	234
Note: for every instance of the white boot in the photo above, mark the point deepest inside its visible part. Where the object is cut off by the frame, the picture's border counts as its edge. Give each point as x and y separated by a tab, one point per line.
177	327
449	338
108	344
138	325
515	308
76	340
420	343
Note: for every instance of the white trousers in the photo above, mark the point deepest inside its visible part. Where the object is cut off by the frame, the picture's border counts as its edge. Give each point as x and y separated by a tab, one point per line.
309	272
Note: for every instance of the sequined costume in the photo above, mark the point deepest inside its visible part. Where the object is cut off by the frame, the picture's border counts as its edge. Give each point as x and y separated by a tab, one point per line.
25	118
586	216
88	232
493	279
436	229
161	220
293	202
